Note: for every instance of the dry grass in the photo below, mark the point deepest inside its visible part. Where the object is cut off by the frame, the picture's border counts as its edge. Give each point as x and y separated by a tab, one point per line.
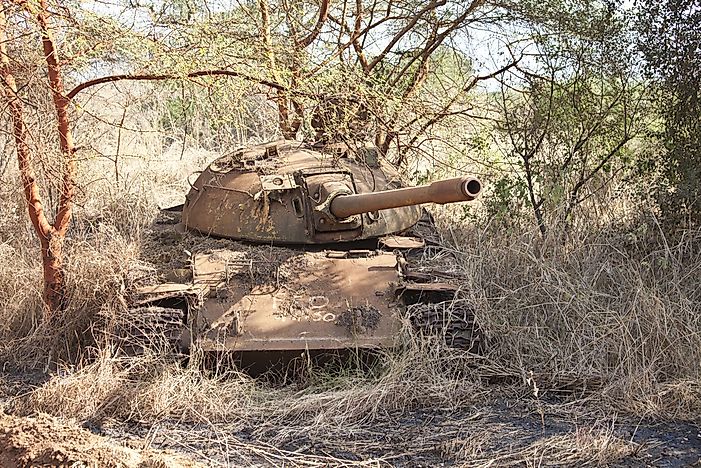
150	388
612	311
609	317
95	267
591	446
143	389
616	315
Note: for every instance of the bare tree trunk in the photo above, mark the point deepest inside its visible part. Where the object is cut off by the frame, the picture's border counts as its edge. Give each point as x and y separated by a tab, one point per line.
537	205
283	112
51	236
54	285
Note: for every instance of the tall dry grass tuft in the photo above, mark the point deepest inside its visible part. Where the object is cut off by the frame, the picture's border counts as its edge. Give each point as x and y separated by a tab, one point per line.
146	388
95	272
422	373
616	310
102	244
20	292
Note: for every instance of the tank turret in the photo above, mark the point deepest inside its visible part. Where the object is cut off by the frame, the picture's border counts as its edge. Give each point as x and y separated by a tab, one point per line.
290	193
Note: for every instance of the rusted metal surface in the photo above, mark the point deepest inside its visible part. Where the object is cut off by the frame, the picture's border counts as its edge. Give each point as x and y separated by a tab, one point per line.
259	197
237	300
443	191
289	193
150	327
427	292
454	321
149	294
310	311
326	300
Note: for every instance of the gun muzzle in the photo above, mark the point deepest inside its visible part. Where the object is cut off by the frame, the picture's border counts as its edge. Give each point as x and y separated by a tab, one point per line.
442	191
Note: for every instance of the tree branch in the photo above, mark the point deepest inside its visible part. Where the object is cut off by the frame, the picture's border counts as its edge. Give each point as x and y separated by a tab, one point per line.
149	77
356	34
37	215
63	215
323	14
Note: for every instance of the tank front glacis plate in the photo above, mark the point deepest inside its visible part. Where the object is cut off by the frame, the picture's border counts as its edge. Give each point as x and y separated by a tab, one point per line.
323	303
262	195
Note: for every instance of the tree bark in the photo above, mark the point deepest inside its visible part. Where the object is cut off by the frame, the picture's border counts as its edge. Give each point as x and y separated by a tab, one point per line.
51	236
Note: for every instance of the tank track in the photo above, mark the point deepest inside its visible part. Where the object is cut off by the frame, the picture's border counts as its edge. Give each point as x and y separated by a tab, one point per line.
452	322
150	328
434	301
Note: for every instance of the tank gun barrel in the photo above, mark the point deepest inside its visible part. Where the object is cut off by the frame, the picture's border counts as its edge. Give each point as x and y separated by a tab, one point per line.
443	191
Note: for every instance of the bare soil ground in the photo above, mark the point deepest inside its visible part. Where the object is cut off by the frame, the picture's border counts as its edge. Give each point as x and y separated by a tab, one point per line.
46	441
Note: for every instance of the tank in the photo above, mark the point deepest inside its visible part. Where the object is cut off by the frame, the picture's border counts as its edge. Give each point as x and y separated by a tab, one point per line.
336	233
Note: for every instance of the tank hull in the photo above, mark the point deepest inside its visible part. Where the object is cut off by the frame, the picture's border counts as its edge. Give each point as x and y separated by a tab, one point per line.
324	303
246	300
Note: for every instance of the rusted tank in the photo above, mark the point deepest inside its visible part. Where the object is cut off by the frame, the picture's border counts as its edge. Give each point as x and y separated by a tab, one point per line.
331	224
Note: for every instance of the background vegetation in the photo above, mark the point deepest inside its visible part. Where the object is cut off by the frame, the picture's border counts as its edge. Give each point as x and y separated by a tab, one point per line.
582	258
